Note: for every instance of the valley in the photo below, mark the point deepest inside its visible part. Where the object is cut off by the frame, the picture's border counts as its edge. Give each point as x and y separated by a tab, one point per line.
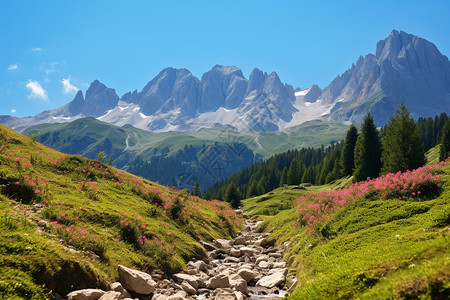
94	219
150	151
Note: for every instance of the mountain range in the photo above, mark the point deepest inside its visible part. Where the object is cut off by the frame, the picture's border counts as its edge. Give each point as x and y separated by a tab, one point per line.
405	68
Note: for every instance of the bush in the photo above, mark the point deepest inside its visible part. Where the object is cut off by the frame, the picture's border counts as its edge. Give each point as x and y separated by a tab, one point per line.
129	235
176	209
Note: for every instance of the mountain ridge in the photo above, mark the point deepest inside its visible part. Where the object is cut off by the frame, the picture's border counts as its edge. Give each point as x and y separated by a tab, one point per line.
404	68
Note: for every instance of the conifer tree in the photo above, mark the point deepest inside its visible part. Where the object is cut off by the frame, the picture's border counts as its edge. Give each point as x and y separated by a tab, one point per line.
252	189
348	152
284	177
259	187
101	155
402	144
367	151
308	176
334	174
196	191
293	175
445	142
232	195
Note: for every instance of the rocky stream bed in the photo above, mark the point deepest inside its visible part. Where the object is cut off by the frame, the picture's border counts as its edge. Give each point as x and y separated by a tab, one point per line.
246	267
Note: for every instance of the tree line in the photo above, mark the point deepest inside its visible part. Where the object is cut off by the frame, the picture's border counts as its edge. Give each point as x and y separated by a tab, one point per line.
306	165
399	146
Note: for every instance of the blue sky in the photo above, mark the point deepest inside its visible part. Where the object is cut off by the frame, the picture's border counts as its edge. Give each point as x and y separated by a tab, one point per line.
49	49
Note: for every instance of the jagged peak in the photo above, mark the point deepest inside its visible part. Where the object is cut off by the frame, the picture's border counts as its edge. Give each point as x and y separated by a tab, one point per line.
177	71
397	41
79	95
96	87
226	70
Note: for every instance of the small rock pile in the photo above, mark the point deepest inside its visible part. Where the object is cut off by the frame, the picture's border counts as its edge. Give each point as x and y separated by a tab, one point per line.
246	267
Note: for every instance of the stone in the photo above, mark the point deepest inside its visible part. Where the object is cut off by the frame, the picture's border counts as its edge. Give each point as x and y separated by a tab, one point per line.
241	240
222	243
219	281
200	265
265	265
159	297
235	252
238	283
276	255
188	288
112	295
225	295
136	281
239	295
193	271
261	258
117	286
208	246
247	250
272	280
281	264
180	277
202	280
86	294
247	274
231	259
180	295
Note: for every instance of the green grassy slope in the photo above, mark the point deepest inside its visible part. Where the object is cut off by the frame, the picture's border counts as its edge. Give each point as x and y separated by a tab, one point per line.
270	204
88	136
67	221
372	242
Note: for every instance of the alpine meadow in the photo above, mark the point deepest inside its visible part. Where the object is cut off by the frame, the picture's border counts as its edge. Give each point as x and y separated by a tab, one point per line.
149	151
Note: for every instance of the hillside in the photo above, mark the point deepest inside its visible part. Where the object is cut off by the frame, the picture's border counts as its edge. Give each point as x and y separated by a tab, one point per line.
67	221
380	239
205	156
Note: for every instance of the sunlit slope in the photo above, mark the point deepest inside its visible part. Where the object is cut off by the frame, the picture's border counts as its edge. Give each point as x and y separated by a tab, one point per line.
66	221
380	239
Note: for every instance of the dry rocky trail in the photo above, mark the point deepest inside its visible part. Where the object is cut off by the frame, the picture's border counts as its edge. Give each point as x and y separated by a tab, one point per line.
246	267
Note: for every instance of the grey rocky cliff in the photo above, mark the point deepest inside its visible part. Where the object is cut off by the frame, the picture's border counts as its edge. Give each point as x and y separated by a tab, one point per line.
405	68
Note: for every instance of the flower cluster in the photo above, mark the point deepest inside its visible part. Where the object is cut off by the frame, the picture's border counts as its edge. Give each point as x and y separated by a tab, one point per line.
416	184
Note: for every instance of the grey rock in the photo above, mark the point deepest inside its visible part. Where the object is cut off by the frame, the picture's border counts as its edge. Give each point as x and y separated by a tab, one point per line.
180	295
238	283
112	295
247	274
117	286
272	280
180	277
86	294
188	288
219	281
136	281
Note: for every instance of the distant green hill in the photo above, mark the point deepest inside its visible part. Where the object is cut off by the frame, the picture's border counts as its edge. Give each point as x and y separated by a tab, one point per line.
67	221
387	238
206	155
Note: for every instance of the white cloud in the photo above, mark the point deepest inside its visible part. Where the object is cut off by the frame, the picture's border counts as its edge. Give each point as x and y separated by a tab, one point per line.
13	67
68	87
13	111
36	90
36	49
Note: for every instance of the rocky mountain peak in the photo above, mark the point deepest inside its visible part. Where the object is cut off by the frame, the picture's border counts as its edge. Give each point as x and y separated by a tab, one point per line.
99	99
76	105
222	86
399	44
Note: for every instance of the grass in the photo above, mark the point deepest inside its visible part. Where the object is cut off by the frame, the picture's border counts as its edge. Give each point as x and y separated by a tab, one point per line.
280	199
372	247
67	221
432	155
88	136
